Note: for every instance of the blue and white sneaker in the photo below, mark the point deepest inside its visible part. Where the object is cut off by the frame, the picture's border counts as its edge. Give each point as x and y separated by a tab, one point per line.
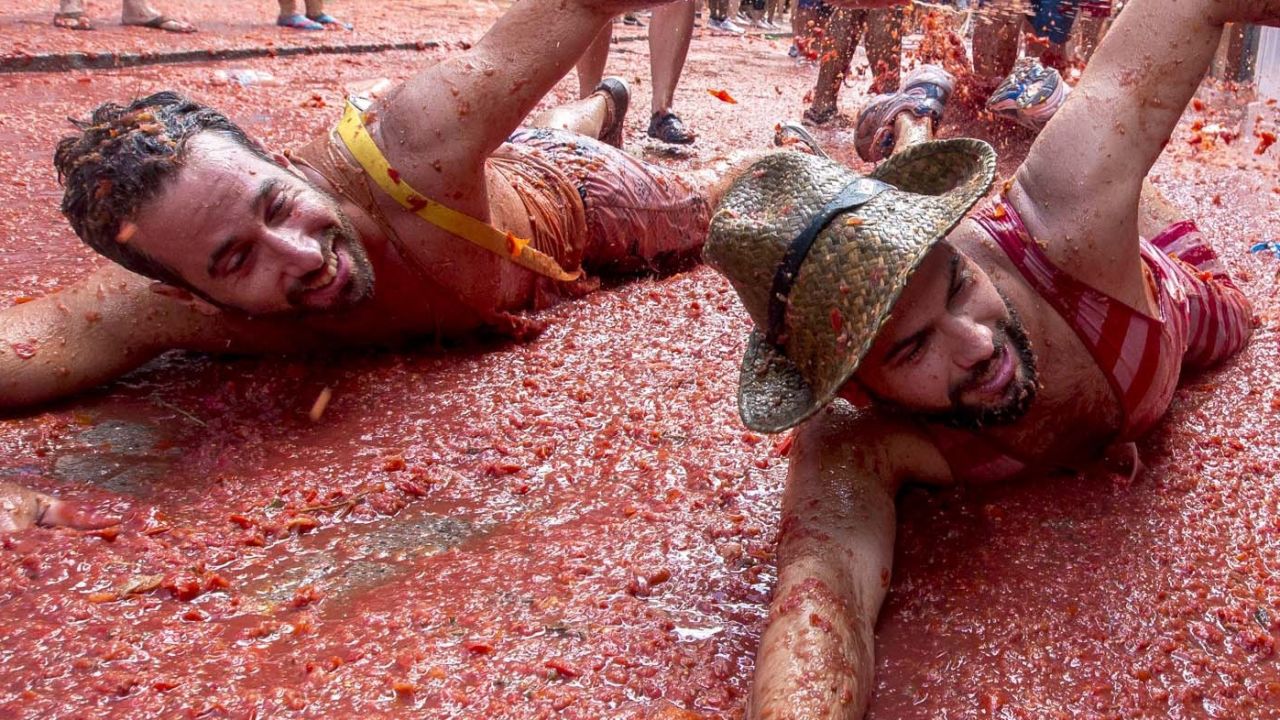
924	93
1030	95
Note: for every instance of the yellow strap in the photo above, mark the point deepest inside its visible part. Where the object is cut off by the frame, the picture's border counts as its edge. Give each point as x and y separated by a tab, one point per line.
516	249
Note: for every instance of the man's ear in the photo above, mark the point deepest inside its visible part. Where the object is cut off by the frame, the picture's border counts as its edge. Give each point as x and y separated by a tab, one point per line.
200	305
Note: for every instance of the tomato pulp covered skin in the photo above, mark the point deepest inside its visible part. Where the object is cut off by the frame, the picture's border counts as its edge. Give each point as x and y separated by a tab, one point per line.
579	526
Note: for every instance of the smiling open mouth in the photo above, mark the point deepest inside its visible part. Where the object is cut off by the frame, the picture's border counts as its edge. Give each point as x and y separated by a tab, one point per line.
998	373
325	275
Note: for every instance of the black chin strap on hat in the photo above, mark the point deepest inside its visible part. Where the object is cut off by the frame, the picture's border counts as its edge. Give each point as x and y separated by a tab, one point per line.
855	194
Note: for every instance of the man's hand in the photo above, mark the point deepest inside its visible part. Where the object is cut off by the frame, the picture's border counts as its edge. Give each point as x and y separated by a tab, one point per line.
21	507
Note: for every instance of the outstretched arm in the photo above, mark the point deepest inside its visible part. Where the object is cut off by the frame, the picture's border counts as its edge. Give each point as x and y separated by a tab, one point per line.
102	327
73	339
835	553
1078	189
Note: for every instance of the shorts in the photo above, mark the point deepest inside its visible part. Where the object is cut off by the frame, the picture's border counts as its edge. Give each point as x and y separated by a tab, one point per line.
634	213
1221	317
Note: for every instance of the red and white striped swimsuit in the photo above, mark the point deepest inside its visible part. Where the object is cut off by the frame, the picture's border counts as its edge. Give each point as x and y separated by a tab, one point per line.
1203	319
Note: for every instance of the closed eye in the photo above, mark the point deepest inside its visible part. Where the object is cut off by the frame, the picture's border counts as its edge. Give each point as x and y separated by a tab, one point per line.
275	208
917	351
910	350
963	282
236	260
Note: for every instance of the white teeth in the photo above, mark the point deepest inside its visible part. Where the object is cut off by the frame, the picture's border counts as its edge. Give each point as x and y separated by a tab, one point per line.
330	272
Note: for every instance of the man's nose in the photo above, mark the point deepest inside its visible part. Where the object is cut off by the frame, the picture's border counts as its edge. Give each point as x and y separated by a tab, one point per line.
299	253
973	341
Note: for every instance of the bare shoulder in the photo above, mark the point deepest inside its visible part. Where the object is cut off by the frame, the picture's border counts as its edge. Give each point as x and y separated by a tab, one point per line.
870	443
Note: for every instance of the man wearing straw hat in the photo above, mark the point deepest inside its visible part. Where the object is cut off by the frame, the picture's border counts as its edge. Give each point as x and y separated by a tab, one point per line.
1029	334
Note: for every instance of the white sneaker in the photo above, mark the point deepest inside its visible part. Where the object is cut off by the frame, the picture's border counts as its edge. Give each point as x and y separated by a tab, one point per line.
725	26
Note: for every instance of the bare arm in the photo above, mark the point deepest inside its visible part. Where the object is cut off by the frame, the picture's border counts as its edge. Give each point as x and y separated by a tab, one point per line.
1078	189
441	124
835	553
100	328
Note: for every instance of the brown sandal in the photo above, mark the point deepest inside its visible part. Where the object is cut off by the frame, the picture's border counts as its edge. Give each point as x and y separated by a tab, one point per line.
166	23
617	97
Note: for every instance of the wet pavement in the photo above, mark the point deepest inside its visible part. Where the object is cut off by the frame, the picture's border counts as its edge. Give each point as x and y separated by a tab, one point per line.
580	526
27	32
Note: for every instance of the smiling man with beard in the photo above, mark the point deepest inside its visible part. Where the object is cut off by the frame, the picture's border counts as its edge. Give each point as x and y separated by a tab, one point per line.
432	210
914	330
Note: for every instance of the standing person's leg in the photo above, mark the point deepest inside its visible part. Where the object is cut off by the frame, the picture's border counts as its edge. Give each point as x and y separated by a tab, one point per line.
591	65
805	21
669	35
290	17
771	11
1051	26
884	48
801	21
1091	25
995	42
1034	89
142	14
316	13
839	40
70	16
720	17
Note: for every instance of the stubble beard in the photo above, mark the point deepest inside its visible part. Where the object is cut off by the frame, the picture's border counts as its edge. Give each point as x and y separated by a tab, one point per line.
1018	397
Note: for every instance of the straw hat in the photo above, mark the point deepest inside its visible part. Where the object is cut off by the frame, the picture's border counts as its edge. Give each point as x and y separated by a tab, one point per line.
819	255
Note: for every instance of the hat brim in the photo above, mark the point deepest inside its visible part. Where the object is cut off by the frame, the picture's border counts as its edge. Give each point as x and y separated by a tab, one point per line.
773	394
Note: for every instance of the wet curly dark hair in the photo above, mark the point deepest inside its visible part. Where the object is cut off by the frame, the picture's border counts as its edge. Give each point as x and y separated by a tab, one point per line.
120	159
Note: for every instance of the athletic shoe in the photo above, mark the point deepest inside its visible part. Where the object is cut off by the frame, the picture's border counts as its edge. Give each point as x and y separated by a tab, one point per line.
1030	95
924	93
668	128
817	118
725	26
618	97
